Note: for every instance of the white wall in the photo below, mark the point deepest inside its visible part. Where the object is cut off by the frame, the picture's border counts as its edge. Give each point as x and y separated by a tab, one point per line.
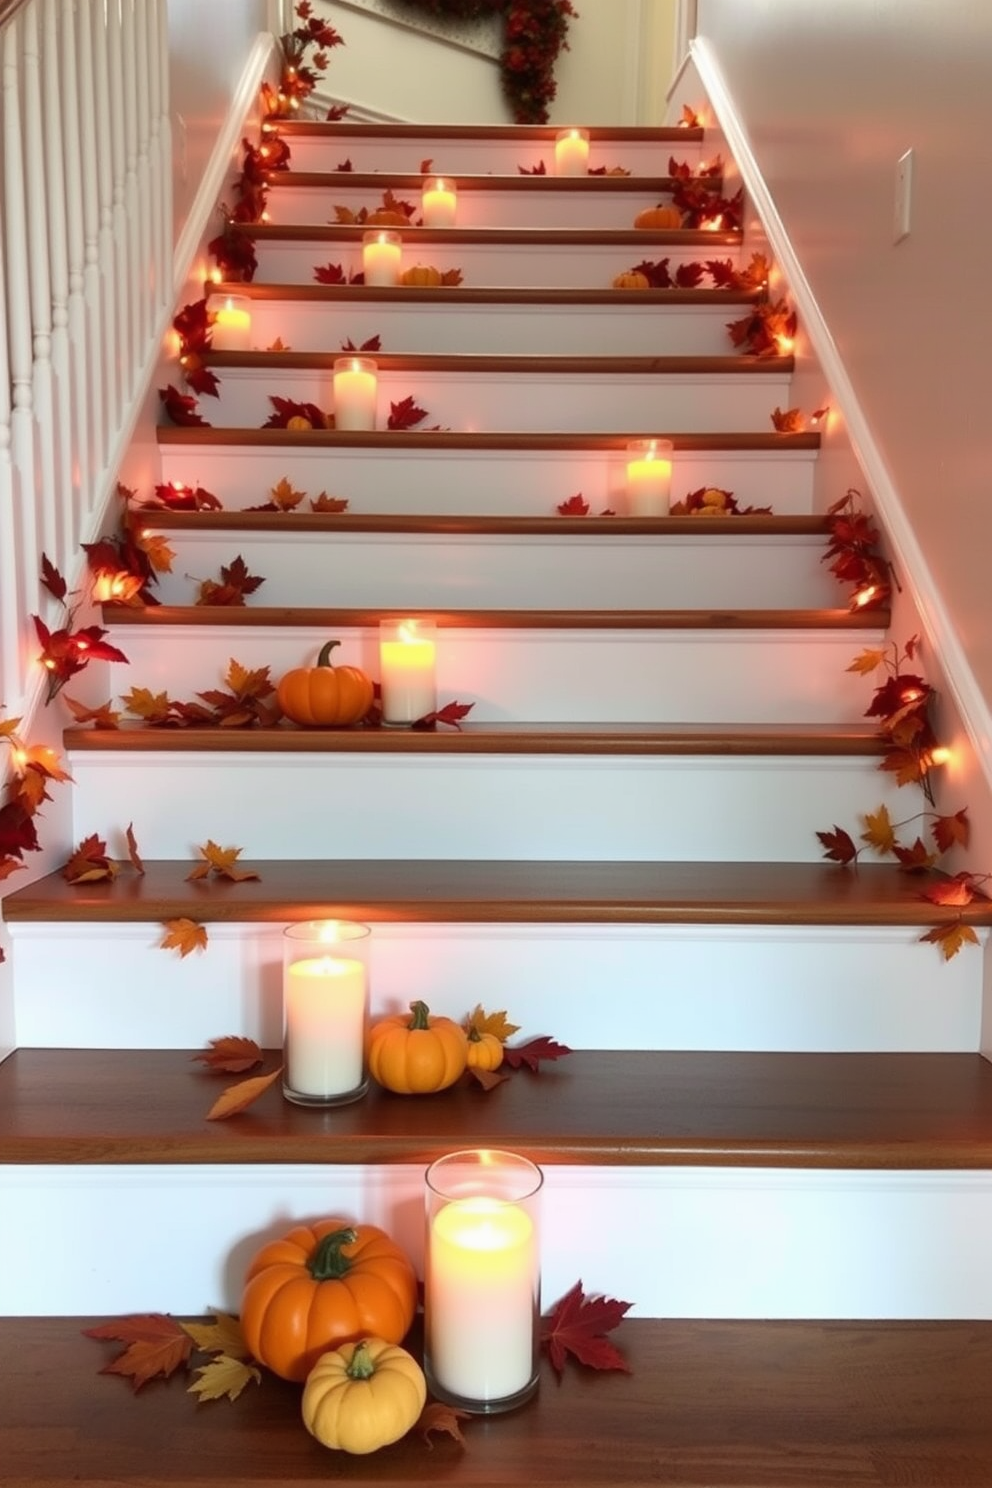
831	96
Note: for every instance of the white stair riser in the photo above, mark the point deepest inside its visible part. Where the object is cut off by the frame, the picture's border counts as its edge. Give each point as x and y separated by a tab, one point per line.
713	1242
438	571
786	989
484	482
560	807
546	675
532	403
455	325
449	157
585	207
570	266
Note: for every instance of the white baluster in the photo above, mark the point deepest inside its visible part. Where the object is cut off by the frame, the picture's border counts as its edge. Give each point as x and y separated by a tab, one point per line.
11	619
84	471
112	250
17	285
58	256
123	111
144	291
98	382
161	32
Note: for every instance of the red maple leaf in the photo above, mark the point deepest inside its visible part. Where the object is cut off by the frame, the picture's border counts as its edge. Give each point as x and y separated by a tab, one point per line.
156	1346
915	859
374	343
577	1326
689	276
345	165
839	847
52	579
956	892
948	830
405	414
181	409
338	111
288	408
199	377
540	169
451	714
656	272
533	1053
330	274
18	833
575	506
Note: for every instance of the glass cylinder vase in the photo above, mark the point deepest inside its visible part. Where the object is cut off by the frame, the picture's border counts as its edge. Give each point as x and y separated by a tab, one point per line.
482	1294
325	1012
407	665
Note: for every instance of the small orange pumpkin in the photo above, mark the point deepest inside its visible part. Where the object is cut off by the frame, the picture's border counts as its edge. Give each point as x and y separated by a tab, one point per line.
421	275
415	1054
322	1285
485	1050
661	216
632	279
325	696
387	217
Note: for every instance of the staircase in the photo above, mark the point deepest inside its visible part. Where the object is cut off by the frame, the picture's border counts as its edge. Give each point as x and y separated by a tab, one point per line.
775	1133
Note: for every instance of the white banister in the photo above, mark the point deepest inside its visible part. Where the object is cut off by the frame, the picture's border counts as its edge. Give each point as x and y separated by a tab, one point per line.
85	279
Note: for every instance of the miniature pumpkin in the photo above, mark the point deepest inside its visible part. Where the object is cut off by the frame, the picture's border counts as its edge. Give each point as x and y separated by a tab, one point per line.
298	422
387	217
325	695
322	1285
363	1396
631	279
485	1050
421	275
661	216
415	1054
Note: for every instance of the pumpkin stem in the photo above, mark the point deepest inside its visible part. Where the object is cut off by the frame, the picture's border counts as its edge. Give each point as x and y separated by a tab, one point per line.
473	1035
324	659
327	1263
362	1366
421	1017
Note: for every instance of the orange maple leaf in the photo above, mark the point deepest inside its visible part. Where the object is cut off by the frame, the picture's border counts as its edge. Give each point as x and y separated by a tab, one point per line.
479	1021
438	1417
183	936
157	550
948	830
232	1054
247	683
152	707
951	937
915	859
132	849
879	833
451	278
325	503
236	1097
789	421
488	1079
284	496
89	863
278	345
223	862
904	765
103	717
156	1346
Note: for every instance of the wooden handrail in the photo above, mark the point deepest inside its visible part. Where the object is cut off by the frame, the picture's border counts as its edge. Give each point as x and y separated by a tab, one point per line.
9	8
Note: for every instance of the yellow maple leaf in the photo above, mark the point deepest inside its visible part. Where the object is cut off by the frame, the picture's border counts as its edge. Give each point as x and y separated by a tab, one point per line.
223	862
183	936
878	831
236	1097
8	727
244	682
222	1336
223	1378
479	1021
867	661
951	937
157	550
284	496
146	704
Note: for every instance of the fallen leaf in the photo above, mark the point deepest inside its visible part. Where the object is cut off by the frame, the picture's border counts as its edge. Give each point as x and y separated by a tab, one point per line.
951	937
838	846
132	849
152	707
345	165
488	1079
479	1021
438	1417
156	1346
540	169
183	935
425	165
789	421
223	862
278	345
234	584
451	714
222	1336
575	506
451	278
405	414
374	343
533	1053
223	1378
287	409
325	503
90	863
284	496
231	1055
237	1097
964	888
329	274
578	1325
181	409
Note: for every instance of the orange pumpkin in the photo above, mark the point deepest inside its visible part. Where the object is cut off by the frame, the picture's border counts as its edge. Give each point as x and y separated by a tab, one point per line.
421	275
322	1285
661	216
632	279
485	1050
325	696
387	217
415	1054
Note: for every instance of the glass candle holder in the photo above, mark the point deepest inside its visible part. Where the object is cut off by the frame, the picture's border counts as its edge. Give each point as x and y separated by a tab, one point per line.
482	1273
439	202
356	389
649	477
382	253
407	653
231	328
325	1012
572	152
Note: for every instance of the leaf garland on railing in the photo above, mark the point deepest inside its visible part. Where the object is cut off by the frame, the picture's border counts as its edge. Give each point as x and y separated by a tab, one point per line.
194	327
34	768
854	554
768	329
68	649
182	409
298	77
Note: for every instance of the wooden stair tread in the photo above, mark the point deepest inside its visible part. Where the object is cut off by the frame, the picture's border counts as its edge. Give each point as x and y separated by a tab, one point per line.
561	237
750	1404
502	891
851	1111
446	439
484	295
639	366
242	616
469	524
469	181
788	740
340	130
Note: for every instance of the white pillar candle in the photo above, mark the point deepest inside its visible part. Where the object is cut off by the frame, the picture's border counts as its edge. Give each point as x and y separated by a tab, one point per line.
231	330
324	1002
481	1267
572	152
381	256
438	203
355	390
649	477
407	670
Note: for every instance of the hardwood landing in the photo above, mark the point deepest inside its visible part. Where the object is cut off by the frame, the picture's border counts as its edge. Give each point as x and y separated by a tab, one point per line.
625	1108
708	1404
503	891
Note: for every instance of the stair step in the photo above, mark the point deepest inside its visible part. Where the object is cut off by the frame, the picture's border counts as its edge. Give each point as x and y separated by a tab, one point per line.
507	892
473	319
626	1108
538	398
342	523
325	618
754	1404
